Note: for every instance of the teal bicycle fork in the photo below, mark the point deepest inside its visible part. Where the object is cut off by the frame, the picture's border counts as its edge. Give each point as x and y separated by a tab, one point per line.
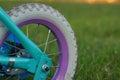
39	64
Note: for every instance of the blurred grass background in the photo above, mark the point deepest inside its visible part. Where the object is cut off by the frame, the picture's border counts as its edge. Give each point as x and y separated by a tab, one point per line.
97	30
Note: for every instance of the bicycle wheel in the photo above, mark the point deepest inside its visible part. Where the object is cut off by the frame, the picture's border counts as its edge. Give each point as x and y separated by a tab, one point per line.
51	32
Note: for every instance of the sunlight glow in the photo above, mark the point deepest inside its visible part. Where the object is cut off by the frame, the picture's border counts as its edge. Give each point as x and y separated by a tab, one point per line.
111	1
101	1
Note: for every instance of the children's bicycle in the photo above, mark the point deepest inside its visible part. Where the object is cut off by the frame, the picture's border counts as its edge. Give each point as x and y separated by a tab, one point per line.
36	43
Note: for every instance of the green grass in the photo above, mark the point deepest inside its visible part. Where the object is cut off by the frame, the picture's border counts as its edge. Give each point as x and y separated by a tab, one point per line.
97	30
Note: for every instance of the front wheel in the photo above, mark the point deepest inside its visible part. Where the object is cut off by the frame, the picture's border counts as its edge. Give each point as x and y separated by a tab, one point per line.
52	33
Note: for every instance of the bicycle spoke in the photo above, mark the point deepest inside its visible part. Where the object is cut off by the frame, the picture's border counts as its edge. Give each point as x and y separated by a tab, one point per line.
54	66
37	27
47	40
12	46
27	31
54	54
36	30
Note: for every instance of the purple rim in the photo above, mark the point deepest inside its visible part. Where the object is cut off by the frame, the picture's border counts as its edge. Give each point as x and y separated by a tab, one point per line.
63	60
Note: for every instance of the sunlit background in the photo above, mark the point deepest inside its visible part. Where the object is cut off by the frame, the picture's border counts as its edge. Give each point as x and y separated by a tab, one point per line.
101	1
76	1
86	1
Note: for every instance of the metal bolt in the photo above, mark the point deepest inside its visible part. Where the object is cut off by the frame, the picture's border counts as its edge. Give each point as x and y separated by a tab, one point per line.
45	68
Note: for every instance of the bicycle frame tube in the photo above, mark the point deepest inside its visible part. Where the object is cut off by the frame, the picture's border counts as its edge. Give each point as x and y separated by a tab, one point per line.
35	52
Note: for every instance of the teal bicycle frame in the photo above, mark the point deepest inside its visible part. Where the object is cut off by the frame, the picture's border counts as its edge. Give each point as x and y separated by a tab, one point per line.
39	60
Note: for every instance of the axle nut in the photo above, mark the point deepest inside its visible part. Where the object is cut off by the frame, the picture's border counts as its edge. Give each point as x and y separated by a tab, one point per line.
45	68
